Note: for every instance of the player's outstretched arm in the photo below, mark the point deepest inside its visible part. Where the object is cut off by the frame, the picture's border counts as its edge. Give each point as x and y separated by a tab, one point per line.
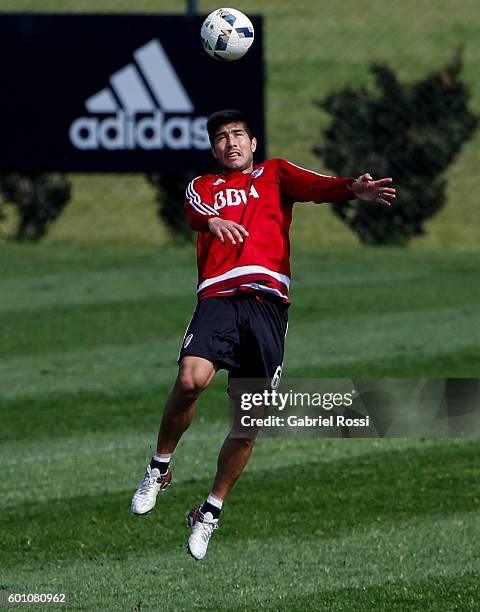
224	228
368	190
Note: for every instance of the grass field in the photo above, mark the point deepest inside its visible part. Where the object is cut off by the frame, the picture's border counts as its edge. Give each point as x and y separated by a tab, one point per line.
88	344
90	326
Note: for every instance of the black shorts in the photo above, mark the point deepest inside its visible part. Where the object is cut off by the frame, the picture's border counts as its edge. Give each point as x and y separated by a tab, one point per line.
244	334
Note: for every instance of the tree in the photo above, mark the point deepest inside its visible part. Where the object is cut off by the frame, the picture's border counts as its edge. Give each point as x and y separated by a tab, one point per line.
411	132
39	200
170	196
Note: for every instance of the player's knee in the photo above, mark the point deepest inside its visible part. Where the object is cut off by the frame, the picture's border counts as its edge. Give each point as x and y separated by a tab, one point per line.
189	383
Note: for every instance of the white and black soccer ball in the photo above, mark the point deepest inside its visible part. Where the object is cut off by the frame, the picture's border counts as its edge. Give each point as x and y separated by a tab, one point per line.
227	34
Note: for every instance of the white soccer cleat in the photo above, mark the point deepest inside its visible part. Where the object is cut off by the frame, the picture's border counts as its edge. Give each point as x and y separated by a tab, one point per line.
202	526
146	496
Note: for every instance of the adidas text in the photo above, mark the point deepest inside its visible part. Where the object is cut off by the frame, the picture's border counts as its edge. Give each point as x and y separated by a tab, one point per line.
150	132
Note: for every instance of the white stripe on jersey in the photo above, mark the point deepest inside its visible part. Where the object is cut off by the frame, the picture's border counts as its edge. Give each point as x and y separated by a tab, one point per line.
196	204
242	271
196	201
259	288
311	171
194	194
265	289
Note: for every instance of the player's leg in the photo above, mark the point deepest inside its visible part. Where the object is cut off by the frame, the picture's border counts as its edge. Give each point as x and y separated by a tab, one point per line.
194	375
265	325
233	458
206	346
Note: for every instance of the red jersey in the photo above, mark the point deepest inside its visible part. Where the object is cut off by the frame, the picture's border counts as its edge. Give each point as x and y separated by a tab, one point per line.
262	202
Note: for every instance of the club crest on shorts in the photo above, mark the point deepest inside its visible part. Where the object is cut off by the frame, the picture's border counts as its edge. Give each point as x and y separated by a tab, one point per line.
188	339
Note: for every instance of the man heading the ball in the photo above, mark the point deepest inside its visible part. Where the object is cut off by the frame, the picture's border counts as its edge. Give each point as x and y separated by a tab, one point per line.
243	218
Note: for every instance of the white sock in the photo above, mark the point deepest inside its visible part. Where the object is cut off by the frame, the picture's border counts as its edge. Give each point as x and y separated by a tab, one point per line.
215	501
162	458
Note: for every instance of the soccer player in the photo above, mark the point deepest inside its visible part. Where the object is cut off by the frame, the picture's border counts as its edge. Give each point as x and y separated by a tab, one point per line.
242	217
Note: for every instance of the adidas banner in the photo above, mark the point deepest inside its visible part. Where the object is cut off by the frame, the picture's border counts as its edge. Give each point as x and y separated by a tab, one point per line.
117	93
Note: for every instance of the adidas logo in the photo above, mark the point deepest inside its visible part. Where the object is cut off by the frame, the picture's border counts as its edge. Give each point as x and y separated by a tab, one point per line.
140	103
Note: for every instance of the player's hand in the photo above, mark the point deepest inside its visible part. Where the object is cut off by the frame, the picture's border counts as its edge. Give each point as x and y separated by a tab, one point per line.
368	190
223	228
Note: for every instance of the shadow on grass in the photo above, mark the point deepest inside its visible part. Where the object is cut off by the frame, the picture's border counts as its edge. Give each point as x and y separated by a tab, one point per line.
314	500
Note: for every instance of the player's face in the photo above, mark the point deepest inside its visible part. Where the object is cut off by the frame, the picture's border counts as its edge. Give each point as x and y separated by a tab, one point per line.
233	148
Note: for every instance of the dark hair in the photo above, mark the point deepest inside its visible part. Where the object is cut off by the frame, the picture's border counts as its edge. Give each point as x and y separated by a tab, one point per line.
230	115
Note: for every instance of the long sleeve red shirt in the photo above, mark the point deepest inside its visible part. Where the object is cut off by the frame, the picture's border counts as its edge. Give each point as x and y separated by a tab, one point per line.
262	202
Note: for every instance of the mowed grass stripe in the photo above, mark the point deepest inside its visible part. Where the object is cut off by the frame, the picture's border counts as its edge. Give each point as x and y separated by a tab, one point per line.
31	262
124	319
352	339
383	295
404	562
163	276
128	367
447	591
318	344
347	317
349	495
50	416
452	364
94	459
123	323
136	273
123	283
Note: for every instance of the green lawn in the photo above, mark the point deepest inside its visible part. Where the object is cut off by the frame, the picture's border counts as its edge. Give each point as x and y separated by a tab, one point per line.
88	340
90	326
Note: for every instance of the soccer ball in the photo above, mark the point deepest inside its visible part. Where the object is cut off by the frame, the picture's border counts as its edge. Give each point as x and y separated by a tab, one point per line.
227	34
